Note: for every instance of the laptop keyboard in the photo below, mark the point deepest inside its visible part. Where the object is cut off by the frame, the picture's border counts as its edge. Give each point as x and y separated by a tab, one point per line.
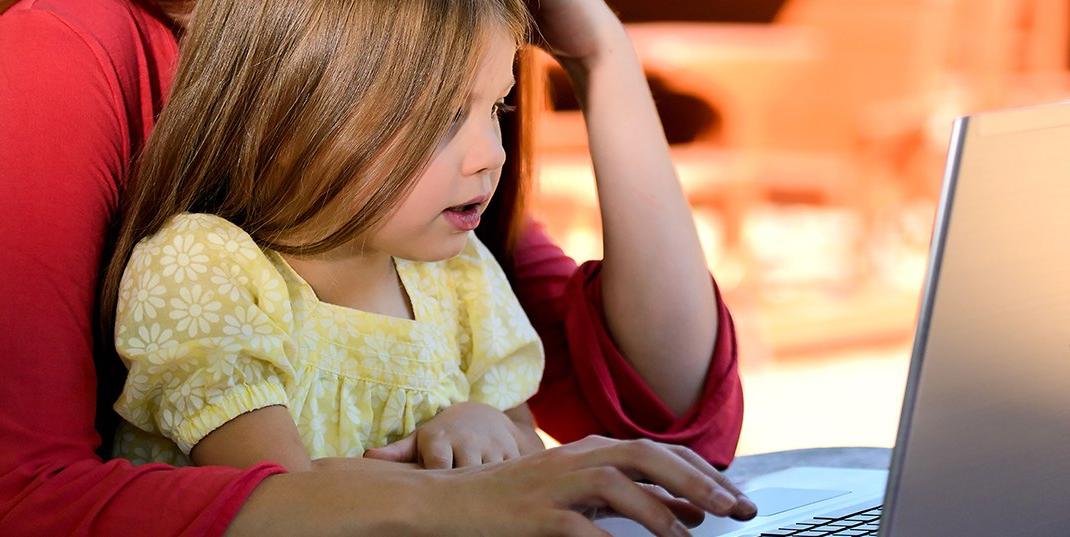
866	522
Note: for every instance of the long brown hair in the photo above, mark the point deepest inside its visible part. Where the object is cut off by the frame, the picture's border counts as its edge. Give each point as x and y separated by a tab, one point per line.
283	110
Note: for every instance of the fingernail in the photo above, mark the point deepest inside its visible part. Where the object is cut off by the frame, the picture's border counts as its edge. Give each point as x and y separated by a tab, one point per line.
723	500
680	530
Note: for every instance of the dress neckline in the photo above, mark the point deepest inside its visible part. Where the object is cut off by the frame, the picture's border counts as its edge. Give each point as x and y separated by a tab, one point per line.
409	286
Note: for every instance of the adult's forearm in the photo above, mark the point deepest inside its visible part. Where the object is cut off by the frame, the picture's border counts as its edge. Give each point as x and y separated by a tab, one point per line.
659	300
378	500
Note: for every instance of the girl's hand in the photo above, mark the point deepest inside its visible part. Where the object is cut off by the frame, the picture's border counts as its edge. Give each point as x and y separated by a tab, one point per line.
576	31
464	434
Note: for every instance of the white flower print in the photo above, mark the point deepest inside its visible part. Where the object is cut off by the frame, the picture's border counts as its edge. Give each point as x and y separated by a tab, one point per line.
230	282
317	432
379	349
146	296
187	222
331	356
233	241
194	310
331	329
184	258
530	370
138	384
250	325
149	341
492	335
518	323
501	387
224	368
188	397
271	290
392	421
143	256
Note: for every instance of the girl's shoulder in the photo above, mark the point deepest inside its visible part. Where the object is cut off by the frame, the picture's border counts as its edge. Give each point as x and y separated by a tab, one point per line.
205	238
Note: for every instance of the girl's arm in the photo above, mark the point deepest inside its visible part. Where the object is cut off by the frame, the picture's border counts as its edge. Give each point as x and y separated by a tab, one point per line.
658	296
269	434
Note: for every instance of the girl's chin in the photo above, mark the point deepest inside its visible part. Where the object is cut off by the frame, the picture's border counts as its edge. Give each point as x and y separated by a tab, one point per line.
439	248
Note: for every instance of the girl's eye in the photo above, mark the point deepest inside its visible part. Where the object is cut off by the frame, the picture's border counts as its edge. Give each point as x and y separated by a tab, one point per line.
500	109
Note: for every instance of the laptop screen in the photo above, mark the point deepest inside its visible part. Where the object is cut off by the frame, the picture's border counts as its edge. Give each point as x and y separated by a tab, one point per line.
984	440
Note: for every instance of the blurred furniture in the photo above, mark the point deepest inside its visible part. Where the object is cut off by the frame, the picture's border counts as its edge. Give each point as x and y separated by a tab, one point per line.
812	147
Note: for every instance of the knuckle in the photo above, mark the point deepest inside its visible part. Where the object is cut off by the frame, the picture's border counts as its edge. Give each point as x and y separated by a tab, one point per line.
431	434
701	485
597	439
647	442
642	448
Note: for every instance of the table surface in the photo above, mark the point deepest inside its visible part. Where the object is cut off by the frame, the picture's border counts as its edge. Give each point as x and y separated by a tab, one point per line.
751	466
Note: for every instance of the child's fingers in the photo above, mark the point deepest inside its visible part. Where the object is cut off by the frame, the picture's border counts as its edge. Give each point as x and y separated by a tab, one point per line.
466	455
403	450
436	454
511	449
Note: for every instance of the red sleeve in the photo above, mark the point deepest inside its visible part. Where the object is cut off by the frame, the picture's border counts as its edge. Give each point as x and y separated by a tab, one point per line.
63	143
589	387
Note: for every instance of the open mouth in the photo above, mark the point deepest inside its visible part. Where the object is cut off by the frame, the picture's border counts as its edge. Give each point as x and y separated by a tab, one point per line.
468	207
465	217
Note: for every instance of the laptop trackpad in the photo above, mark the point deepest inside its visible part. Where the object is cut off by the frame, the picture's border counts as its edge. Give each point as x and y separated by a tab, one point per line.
775	500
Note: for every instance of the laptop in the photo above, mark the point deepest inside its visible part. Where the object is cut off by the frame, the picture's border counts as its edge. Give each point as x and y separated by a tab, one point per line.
983	447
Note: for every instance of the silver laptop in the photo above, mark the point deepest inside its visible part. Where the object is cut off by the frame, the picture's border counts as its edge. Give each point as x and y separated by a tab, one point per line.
983	448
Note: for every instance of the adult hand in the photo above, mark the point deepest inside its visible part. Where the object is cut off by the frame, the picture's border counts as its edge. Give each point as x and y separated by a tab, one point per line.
464	434
544	493
575	31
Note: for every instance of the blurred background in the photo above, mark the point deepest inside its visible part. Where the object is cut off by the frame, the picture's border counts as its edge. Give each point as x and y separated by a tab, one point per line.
810	137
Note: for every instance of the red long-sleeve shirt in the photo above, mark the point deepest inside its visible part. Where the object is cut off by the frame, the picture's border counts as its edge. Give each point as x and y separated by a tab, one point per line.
81	83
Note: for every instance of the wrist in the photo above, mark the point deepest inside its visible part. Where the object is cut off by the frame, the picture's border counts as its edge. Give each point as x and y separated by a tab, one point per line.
615	62
610	42
440	508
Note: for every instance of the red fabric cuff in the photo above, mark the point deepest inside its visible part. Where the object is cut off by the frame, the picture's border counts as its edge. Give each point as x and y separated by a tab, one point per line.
236	494
620	399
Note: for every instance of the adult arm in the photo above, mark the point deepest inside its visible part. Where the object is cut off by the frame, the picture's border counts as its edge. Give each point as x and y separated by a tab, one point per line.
62	146
547	488
589	387
653	259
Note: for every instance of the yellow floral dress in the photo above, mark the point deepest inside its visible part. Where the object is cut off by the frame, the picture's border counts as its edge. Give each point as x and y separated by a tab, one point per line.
211	326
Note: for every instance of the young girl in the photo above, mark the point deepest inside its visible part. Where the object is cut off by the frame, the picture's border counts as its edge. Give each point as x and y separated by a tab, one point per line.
299	238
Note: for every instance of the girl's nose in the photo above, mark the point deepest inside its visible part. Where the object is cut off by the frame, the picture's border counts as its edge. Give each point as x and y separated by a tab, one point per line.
485	152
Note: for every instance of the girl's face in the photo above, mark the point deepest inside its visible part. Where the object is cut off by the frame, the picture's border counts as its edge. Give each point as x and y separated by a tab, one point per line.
432	223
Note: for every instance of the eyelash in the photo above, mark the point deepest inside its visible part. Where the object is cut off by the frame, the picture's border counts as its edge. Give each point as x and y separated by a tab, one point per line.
500	108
